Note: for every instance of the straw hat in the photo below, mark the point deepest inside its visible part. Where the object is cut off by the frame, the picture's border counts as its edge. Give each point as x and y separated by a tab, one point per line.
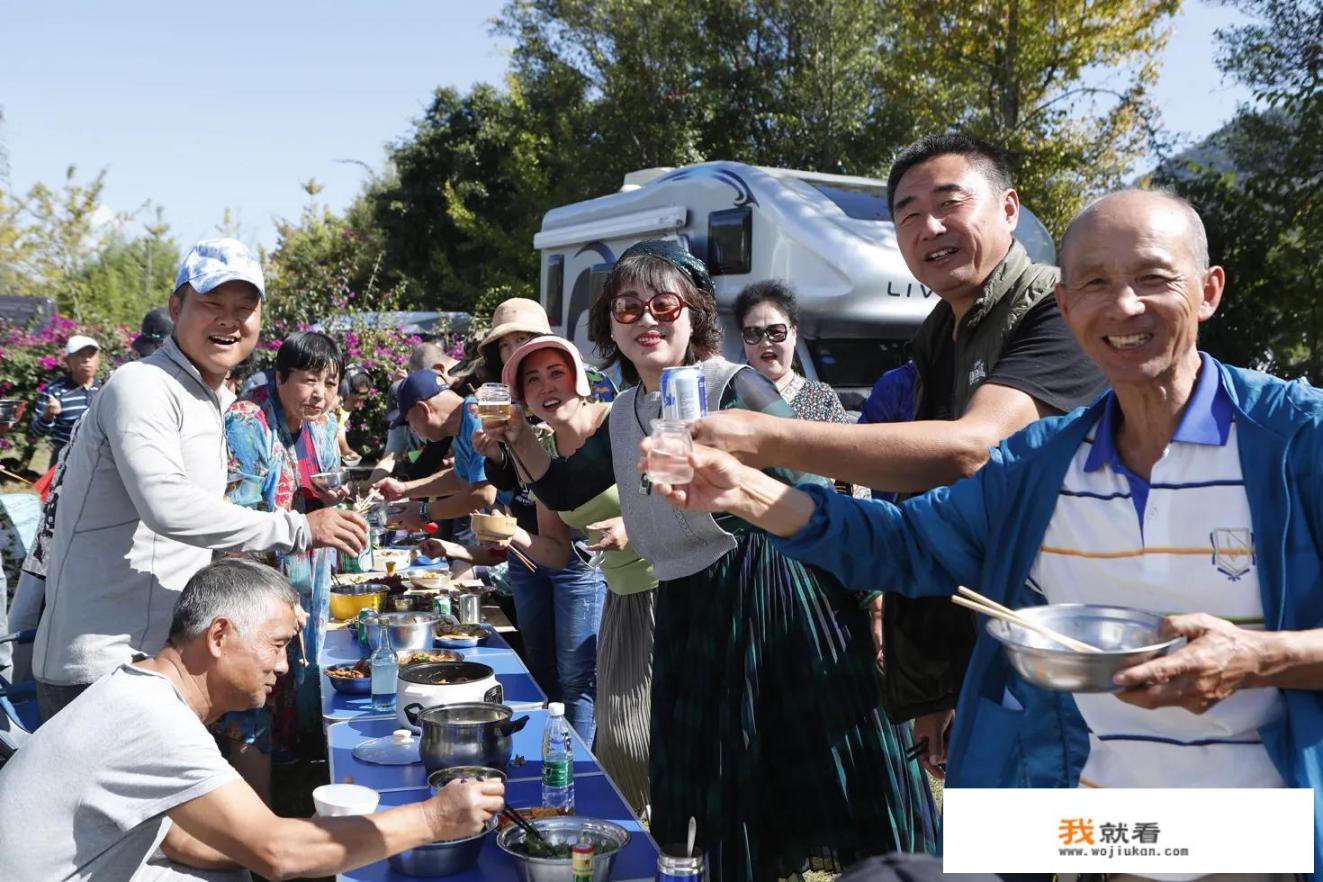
515	315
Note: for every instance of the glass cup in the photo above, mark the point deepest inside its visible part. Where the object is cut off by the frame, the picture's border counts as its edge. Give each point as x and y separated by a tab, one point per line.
494	404
668	457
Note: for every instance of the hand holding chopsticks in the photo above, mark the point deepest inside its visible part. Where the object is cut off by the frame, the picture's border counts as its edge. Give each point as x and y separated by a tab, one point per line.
978	603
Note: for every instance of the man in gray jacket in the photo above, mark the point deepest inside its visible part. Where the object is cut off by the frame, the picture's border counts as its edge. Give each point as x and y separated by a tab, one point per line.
142	487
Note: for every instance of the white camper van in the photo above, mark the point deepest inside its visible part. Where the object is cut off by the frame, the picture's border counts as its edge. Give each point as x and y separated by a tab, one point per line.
829	236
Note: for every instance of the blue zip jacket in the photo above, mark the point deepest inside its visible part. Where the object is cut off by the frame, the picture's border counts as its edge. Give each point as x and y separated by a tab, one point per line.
985	532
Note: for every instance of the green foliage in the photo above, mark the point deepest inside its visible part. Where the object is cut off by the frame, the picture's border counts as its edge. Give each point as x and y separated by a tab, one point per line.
34	358
1265	218
840	85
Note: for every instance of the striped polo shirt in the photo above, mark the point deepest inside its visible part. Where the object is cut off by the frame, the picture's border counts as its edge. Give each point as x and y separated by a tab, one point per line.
74	402
1180	542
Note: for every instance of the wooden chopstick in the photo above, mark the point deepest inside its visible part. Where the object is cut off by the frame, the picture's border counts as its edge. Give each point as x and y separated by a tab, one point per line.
1000	612
524	560
16	477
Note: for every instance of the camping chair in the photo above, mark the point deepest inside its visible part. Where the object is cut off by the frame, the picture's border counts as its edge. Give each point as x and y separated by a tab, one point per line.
18	705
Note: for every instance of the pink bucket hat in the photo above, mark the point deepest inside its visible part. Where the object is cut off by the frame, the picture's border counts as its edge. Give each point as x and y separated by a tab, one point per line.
510	373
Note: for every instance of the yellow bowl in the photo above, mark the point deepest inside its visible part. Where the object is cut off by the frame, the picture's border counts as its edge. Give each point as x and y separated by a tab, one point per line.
346	605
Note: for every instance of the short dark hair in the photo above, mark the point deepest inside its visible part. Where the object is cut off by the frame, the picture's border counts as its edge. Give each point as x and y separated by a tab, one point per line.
773	291
230	588
308	351
988	159
657	274
357	381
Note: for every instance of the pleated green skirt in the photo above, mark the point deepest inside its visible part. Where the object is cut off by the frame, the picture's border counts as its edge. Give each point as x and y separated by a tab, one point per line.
766	727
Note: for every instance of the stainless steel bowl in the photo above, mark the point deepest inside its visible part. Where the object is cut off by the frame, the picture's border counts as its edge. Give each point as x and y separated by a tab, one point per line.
607	838
411	630
332	480
441	777
1125	636
441	858
349	685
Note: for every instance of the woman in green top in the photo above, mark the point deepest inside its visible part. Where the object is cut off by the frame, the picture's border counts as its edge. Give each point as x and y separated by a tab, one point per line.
547	375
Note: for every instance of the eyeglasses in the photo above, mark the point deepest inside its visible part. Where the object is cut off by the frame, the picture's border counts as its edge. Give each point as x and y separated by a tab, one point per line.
666	307
753	334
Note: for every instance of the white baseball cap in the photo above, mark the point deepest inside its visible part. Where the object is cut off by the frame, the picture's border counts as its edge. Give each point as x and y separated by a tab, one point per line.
79	342
213	262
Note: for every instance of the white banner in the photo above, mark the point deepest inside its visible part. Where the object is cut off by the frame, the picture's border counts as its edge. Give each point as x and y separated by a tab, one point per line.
1115	830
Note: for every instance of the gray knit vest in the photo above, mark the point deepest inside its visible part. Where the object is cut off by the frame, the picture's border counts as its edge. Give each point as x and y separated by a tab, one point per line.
677	543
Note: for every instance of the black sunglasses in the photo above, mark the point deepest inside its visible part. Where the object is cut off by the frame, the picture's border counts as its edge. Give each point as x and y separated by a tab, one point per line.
753	334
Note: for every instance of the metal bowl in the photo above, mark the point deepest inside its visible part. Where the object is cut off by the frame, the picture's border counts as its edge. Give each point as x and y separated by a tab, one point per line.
349	685
330	481
1126	637
607	838
411	630
441	858
441	777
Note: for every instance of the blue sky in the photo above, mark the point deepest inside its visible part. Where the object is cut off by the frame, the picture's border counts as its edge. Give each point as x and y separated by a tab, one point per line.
203	108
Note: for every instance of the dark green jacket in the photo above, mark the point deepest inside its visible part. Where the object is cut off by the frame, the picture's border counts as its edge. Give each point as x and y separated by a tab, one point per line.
928	640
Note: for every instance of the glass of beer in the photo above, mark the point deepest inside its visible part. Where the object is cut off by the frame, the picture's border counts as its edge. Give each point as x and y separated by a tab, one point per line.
668	457
494	405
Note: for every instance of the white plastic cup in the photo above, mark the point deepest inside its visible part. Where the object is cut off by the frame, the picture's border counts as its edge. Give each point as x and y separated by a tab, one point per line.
341	800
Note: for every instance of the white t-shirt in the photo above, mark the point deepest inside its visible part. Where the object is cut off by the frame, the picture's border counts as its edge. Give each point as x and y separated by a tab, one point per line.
86	797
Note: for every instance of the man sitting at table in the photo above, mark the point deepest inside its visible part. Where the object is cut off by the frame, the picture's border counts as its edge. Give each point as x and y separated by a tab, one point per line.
126	782
1192	489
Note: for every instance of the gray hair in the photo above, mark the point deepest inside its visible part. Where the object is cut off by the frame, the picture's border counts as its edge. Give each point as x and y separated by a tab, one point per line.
242	591
1198	240
427	355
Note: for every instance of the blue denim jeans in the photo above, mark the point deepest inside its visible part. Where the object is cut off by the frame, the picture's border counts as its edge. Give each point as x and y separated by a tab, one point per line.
559	612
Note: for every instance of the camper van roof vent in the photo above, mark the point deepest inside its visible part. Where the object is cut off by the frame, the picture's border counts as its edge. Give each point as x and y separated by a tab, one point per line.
636	179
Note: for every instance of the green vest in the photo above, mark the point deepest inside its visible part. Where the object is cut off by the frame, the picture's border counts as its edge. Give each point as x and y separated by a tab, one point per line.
929	640
1016	285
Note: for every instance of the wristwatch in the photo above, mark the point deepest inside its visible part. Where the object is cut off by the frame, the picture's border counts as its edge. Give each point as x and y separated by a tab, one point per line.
423	513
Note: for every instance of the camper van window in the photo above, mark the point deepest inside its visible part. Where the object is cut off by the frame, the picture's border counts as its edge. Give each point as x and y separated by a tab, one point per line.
730	241
858	201
555	302
844	362
597	281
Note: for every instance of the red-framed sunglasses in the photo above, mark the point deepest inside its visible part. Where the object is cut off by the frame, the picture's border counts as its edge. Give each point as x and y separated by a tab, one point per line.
665	307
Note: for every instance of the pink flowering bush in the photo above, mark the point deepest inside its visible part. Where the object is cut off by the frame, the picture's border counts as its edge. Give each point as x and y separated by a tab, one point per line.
32	359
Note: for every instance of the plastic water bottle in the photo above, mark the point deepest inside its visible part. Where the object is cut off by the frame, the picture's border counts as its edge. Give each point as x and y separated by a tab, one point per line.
385	671
557	761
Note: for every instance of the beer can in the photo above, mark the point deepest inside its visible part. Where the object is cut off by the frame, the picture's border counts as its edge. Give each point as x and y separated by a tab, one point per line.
684	393
441	603
673	867
470	609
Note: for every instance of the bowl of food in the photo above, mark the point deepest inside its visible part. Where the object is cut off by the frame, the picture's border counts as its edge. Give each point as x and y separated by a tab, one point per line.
549	860
443	858
455	636
330	482
532	813
1124	637
441	777
427	580
493	527
348	600
427	656
353	678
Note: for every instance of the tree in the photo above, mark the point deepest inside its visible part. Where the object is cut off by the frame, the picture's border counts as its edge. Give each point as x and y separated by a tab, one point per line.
1262	210
469	187
839	85
132	276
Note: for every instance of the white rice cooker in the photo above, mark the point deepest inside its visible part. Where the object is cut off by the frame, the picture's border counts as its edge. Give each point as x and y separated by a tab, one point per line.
435	683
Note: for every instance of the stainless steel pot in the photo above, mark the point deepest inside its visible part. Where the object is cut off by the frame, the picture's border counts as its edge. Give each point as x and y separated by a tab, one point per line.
410	630
473	733
441	777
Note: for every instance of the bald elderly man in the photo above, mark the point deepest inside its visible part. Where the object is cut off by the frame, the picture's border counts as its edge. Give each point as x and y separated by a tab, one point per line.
1191	489
127	783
